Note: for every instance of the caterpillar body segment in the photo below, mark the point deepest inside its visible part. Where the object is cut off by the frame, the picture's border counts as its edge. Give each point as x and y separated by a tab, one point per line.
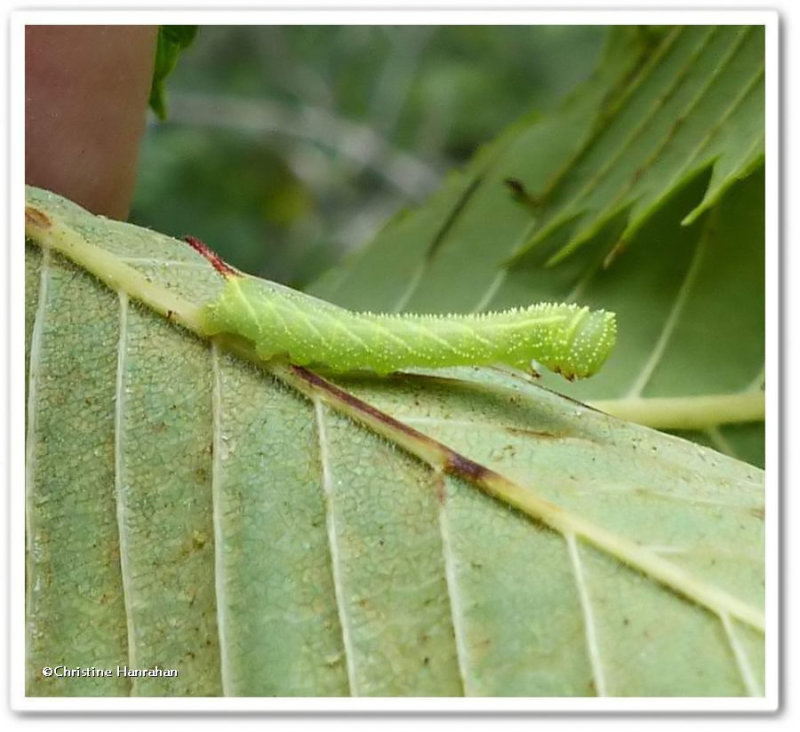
567	339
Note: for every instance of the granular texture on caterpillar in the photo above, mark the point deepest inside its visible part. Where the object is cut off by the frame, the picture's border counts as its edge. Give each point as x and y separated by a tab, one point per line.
566	338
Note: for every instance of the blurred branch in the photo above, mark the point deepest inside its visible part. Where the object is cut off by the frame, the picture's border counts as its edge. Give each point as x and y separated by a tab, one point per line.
356	143
297	77
393	84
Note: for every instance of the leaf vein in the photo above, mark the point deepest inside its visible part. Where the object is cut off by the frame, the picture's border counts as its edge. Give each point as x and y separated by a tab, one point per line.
742	661
590	629
672	319
220	582
333	545
119	487
453	593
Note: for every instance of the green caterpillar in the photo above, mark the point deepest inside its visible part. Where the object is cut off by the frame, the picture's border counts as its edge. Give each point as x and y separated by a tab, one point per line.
568	339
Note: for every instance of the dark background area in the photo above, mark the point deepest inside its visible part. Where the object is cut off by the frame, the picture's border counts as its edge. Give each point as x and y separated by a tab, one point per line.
286	147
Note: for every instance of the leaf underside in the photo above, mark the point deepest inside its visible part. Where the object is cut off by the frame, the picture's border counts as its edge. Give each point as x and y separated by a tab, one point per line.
187	509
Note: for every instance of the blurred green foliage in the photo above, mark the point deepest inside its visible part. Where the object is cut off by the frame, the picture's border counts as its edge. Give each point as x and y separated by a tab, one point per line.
284	147
172	40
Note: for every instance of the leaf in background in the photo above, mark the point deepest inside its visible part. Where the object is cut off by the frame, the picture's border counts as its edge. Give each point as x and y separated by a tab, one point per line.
172	41
189	510
654	165
697	103
446	255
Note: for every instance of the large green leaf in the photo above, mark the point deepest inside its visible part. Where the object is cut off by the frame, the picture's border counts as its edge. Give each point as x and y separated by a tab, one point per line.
651	178
266	532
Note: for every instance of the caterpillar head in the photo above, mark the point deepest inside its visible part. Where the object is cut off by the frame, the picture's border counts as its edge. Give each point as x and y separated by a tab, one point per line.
582	345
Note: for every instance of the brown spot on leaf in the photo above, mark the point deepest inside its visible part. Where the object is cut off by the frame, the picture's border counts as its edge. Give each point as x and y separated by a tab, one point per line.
35	217
441	494
464	467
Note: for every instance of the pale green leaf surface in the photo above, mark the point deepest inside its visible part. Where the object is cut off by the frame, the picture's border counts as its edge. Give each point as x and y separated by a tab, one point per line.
186	509
655	166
